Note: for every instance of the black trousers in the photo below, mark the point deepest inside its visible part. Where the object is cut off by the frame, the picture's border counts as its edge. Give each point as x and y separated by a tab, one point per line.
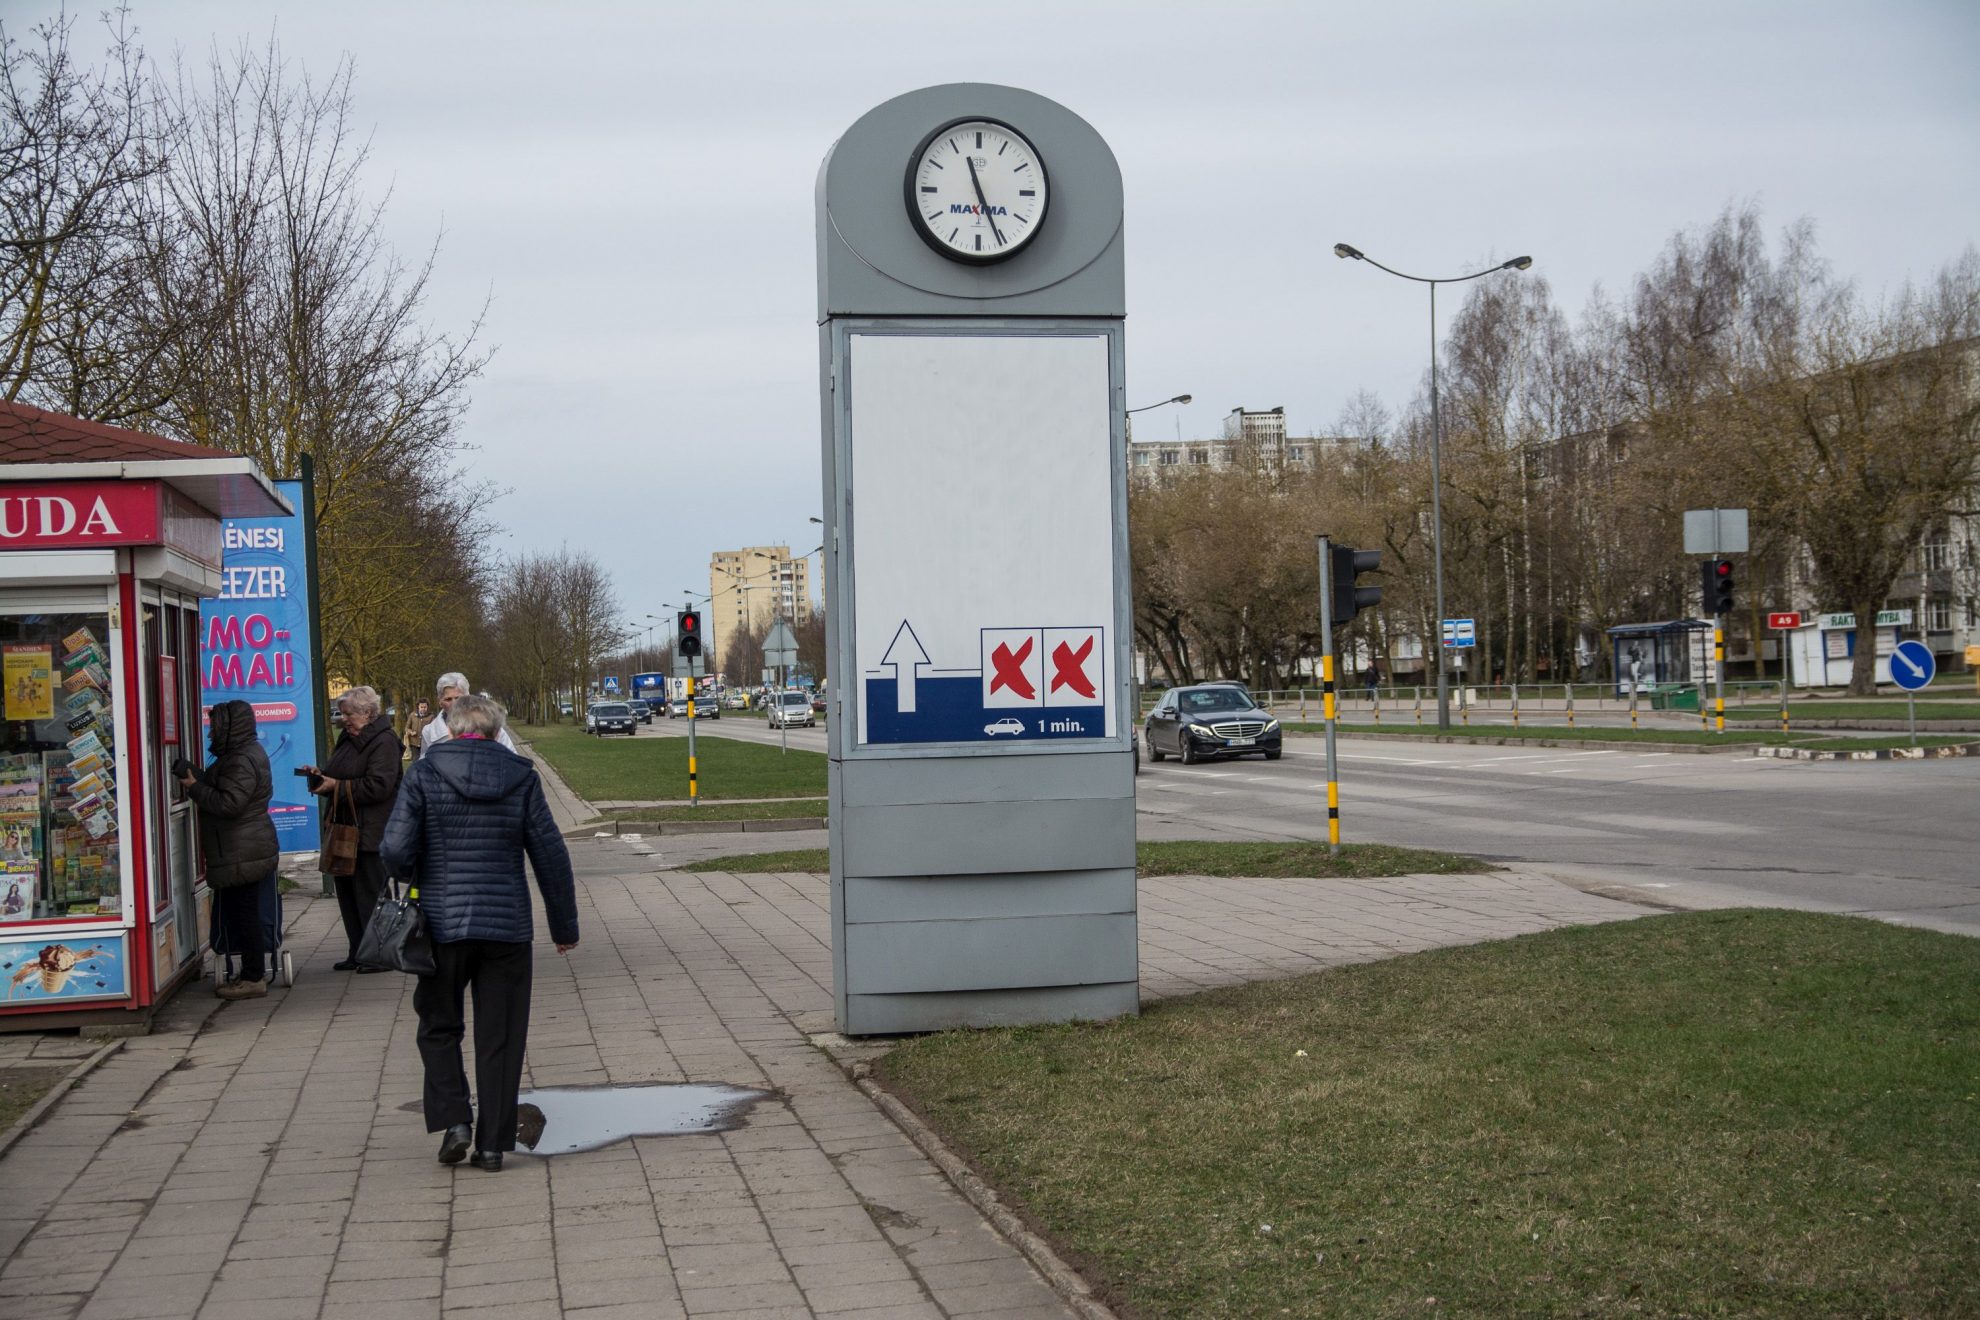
500	974
240	917
358	895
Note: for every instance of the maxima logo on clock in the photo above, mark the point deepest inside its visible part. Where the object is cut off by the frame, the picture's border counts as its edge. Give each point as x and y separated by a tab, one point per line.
976	190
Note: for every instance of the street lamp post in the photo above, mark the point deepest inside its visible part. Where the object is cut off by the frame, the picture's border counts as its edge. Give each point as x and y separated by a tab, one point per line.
1346	251
1180	398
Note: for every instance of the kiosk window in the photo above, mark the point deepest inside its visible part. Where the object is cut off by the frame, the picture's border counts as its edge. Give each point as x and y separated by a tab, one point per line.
58	791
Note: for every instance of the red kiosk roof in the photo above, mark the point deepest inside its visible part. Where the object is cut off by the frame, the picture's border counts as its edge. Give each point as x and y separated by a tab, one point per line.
41	445
29	435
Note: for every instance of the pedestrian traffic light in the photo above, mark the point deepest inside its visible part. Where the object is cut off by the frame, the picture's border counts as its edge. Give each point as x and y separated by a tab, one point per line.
687	631
1346	565
1716	585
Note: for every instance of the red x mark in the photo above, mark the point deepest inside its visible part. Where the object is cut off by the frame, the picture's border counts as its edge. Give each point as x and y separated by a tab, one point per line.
1010	670
1069	668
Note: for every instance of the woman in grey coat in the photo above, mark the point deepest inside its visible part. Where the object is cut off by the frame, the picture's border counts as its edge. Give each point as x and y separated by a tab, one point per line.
469	810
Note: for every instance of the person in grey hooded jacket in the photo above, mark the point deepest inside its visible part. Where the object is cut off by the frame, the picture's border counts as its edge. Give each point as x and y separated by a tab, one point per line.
469	811
237	836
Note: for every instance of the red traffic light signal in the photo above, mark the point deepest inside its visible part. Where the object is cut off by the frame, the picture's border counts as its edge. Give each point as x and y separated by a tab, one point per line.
1716	585
687	629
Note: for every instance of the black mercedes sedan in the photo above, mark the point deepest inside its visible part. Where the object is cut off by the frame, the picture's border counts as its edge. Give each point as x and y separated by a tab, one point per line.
1216	719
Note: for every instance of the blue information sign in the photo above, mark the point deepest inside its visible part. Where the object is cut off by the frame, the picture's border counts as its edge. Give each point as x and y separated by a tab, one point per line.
254	647
1913	665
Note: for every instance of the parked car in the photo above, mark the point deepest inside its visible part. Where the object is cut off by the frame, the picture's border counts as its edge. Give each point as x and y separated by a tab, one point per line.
1209	720
735	701
606	717
790	710
642	711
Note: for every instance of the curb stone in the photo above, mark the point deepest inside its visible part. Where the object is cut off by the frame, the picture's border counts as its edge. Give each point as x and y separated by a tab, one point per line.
26	1122
779	825
1880	754
1063	1278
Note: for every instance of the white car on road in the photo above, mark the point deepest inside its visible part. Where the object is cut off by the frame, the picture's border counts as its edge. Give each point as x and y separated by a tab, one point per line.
790	710
1008	725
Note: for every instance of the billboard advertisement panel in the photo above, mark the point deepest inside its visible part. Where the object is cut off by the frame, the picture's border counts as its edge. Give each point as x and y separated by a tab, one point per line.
254	647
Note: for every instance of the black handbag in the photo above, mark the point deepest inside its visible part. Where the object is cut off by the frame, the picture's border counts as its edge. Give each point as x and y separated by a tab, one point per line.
395	940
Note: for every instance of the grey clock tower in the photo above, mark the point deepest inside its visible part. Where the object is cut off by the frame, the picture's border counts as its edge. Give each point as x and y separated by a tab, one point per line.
970	304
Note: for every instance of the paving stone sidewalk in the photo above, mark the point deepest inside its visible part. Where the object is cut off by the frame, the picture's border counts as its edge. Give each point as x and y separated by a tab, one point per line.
267	1160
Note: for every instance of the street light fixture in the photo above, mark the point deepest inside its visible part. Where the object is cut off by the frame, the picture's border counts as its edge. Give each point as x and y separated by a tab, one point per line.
1347	251
1180	398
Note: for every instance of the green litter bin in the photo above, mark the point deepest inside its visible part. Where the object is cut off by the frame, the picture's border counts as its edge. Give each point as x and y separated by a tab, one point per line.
1684	698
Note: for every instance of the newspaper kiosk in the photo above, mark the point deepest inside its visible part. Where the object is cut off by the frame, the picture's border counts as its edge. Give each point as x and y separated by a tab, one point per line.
109	538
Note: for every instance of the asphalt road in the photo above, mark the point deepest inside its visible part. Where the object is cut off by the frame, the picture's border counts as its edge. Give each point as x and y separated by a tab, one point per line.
1892	839
1898	840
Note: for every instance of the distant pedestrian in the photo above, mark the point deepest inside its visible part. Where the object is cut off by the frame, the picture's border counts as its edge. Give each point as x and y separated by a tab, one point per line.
422	715
469	813
1372	680
450	687
237	836
366	764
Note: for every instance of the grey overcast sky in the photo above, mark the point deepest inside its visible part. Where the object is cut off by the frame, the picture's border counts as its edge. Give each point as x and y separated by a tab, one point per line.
632	183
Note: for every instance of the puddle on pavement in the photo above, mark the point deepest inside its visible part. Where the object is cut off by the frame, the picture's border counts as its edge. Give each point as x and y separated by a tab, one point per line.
563	1120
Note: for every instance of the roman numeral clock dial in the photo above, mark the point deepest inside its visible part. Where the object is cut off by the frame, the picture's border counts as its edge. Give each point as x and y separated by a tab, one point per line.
976	191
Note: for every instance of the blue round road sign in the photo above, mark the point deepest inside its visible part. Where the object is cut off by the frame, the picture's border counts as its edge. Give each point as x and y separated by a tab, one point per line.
1912	665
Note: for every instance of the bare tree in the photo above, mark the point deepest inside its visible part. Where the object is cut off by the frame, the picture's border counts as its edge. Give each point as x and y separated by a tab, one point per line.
99	316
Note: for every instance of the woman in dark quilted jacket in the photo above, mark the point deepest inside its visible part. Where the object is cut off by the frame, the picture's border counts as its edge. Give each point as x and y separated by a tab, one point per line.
237	836
469	811
366	763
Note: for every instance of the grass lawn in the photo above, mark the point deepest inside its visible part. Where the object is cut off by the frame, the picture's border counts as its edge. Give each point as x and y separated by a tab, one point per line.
20	1088
1718	1113
724	811
603	769
1597	733
1270	860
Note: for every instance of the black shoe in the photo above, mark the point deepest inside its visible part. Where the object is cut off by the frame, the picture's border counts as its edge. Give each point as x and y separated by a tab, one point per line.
347	965
367	971
455	1142
488	1161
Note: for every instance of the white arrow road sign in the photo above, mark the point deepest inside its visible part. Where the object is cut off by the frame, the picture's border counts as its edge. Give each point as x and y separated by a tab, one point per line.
906	655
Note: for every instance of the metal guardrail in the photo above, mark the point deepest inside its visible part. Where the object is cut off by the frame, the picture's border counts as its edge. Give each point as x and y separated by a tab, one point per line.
1417	705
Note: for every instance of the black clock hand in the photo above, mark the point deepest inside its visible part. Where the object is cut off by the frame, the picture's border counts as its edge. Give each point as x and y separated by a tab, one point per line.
983	201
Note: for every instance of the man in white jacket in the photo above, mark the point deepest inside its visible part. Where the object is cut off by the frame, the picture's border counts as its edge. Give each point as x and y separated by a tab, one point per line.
451	687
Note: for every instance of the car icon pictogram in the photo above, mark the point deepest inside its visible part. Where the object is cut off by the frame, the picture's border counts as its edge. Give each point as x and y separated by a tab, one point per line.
1006	725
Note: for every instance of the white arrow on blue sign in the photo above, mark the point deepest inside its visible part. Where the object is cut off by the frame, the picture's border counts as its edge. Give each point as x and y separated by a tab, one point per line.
1913	665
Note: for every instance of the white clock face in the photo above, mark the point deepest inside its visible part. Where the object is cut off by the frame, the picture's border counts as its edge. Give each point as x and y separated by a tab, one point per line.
977	191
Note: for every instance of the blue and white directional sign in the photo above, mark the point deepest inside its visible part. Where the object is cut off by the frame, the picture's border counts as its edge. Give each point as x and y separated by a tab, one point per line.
1913	665
985	611
1460	632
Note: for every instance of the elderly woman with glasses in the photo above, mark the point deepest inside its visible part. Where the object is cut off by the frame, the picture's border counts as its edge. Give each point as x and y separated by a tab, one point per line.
471	811
365	766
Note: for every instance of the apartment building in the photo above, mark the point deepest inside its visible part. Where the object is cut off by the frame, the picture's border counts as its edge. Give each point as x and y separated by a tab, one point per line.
750	588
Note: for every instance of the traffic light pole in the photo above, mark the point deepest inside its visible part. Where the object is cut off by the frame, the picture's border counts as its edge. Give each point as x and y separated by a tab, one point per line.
1327	709
694	799
1719	670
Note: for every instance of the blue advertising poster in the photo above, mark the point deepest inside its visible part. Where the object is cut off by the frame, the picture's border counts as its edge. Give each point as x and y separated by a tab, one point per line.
254	647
